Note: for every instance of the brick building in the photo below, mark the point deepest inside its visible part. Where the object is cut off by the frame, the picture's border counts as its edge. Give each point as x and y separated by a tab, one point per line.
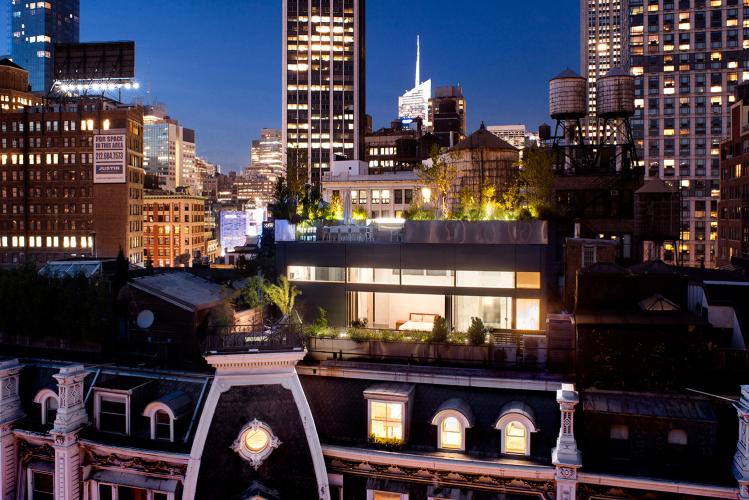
53	204
173	228
733	207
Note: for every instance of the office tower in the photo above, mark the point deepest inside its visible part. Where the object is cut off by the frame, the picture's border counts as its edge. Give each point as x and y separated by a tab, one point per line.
447	113
72	181
687	58
603	46
266	153
513	134
323	83
169	150
415	102
35	29
173	228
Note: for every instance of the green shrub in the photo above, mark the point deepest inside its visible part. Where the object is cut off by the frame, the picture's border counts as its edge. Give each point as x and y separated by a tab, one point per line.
477	332
457	337
386	443
320	327
440	330
358	334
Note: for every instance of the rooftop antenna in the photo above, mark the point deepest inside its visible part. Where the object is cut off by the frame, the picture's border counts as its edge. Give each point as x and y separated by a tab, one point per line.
418	61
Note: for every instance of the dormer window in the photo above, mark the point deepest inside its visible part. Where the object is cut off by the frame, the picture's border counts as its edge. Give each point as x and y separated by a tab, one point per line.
452	419
165	411
516	422
112	413
47	399
388	408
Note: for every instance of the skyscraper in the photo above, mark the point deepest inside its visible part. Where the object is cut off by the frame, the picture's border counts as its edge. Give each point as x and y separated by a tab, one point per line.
602	46
35	29
415	102
169	151
323	82
266	153
687	58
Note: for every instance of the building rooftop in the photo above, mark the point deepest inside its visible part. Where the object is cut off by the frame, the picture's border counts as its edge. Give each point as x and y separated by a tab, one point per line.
483	138
182	289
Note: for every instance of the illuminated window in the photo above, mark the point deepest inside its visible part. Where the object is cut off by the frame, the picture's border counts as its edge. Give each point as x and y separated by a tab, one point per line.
527	314
312	273
452	420
528	280
373	275
386	420
515	438
428	277
516	422
485	279
385	495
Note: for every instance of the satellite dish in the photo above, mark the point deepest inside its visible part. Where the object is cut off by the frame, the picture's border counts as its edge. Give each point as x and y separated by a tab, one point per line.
145	319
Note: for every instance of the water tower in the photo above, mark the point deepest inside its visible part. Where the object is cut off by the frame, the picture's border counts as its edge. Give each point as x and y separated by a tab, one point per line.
568	105
615	105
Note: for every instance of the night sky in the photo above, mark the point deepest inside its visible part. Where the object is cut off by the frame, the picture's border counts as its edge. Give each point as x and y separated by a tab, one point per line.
216	64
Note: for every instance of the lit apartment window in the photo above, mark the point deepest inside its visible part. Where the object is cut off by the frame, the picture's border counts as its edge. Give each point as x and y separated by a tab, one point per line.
485	279
373	275
531	280
452	419
387	411
385	495
428	277
516	423
312	273
528	312
386	420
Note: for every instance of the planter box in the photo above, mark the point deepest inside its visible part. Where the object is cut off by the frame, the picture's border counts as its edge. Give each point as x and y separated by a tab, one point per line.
322	349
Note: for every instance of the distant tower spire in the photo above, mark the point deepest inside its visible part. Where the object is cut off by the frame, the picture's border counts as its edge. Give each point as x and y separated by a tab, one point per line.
418	63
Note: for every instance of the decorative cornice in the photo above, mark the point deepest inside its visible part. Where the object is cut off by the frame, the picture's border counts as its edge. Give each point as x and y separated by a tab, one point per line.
41	451
114	461
253	362
430	475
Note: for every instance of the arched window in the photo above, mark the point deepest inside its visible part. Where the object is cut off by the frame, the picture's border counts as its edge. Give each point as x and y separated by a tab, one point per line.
165	411
47	399
162	421
516	422
452	419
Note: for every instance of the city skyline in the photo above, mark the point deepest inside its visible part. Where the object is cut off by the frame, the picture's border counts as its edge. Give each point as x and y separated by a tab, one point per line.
170	55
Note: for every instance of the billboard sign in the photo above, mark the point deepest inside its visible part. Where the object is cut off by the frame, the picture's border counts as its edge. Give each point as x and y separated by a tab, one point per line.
109	159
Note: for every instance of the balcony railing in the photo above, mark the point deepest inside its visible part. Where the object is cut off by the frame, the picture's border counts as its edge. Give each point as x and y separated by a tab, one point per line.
256	336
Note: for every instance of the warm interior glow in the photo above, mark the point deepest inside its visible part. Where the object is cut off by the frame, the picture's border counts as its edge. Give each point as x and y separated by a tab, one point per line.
256	440
452	437
515	438
386	420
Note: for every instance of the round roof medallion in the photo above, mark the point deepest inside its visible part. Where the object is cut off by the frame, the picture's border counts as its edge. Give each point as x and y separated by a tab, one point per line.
255	442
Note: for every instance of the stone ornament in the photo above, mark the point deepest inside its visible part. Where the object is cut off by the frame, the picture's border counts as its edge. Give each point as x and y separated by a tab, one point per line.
255	443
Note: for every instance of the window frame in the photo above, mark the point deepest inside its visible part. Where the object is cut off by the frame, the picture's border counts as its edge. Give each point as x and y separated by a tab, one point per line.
151	412
371	494
96	495
42	398
114	397
525	421
370	415
465	424
30	471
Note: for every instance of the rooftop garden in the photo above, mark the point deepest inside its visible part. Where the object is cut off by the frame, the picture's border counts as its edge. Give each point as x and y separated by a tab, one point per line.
528	196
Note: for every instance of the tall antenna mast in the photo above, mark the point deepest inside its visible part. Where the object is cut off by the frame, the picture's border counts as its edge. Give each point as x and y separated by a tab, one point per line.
418	65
